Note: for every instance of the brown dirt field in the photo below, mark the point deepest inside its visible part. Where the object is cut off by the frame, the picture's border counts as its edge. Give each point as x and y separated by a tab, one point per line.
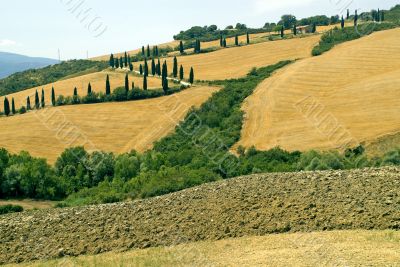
113	127
255	205
336	248
29	204
238	61
66	87
345	97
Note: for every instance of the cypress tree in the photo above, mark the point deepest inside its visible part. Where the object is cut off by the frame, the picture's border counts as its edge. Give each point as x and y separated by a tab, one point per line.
146	68
130	66
145	82
181	73
342	23
108	86
37	102
143	51
148	51
191	76
133	85
236	40
181	48
28	103
121	63
165	85
126	60
75	92
224	42
248	38
89	89
175	68
221	41
355	19
116	63
282	32
129	60
295	29
157	51
382	15
141	69
53	97
197	48
314	28
42	100
126	82
164	73
6	107
13	106
348	14
159	67
112	62
153	67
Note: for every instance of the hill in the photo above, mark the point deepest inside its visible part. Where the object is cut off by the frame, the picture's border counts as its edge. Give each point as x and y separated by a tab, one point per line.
236	62
66	86
11	63
113	127
247	206
344	97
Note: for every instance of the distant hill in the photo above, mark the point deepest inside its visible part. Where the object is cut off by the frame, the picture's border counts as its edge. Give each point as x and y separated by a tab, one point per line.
12	63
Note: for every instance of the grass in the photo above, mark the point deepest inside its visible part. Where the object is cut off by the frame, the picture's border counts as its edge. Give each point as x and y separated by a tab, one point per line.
113	127
29	204
353	87
338	248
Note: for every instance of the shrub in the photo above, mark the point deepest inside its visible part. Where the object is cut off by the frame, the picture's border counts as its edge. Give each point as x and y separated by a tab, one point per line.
10	209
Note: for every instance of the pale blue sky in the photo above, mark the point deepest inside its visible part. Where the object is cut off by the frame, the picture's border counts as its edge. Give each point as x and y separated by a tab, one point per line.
41	27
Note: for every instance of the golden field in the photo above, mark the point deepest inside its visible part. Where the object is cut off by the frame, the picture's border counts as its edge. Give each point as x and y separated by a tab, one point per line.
113	127
238	61
345	97
338	248
66	87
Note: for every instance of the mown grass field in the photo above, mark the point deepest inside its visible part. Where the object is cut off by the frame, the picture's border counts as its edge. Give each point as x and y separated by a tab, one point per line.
348	94
338	248
66	87
238	61
114	127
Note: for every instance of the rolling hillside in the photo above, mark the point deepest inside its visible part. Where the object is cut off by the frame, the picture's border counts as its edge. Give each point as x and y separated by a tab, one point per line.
238	61
113	127
346	96
66	86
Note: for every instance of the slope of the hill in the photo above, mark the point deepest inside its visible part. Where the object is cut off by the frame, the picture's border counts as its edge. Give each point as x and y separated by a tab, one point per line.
112	127
238	61
346	96
66	87
253	205
336	248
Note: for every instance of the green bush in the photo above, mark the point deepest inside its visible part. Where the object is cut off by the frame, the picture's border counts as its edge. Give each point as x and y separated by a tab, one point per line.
10	209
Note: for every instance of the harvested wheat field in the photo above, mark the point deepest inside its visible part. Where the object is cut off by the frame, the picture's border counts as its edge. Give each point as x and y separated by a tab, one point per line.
113	127
337	248
238	61
346	96
66	87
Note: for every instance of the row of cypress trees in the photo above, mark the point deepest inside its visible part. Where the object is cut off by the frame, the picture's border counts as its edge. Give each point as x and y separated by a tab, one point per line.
222	40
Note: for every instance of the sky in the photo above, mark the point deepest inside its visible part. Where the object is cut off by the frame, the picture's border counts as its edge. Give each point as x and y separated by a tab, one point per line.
81	28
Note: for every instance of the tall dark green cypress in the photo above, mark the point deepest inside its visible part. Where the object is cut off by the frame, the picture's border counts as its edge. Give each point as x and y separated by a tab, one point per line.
42	100
295	29
153	67
382	15
175	68
224	42
143	53
133	85
112	62
148	51
13	106
117	63
158	67
121	62
236	40
28	103
221	41
37	102
141	69
126	82
108	86
130	66
126	60
342	23
191	76
145	82
146	68
348	14
75	91
53	97
181	48
6	107
282	32
356	18
89	89
248	38
181	73
157	53
164	73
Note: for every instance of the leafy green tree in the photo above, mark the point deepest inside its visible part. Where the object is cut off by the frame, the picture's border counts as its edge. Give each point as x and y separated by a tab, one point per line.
53	97
248	38
153	67
144	82
112	62
181	73
126	82
236	40
141	69
382	16
13	106
37	101
175	68
28	103
42	99
191	76
89	89
108	86
287	21
6	106
181	48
